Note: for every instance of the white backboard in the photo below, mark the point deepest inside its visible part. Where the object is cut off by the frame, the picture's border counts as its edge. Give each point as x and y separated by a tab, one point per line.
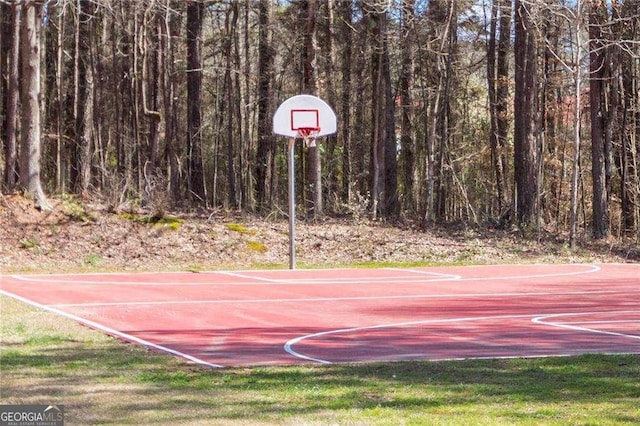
304	111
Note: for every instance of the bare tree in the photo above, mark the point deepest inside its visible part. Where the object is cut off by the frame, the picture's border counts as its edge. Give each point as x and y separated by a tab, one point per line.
83	106
498	93
265	162
441	56
344	123
597	71
391	199
327	32
310	85
195	178
231	21
30	131
170	29
377	109
11	94
625	76
407	113
526	118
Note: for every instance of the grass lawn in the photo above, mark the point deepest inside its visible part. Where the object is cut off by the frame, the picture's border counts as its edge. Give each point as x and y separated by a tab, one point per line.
45	359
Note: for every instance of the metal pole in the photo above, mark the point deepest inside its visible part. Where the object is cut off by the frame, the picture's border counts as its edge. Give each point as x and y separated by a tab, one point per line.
292	207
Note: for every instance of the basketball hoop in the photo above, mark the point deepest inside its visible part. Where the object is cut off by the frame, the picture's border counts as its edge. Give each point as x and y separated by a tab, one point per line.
303	117
308	134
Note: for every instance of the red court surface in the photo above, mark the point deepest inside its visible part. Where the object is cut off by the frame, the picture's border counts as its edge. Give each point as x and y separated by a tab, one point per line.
283	317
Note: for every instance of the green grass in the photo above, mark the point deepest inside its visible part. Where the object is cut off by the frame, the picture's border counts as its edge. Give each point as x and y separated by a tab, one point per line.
93	259
74	209
240	229
169	222
256	246
27	244
46	359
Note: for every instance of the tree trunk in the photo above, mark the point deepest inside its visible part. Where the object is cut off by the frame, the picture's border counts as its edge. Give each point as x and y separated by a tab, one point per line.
84	96
244	111
329	77
442	36
151	63
195	178
628	87
391	201
577	77
266	149
597	71
29	96
346	18
60	102
377	114
11	106
5	47
231	20
445	15
502	90
360	149
525	111
407	138
498	92
310	86
172	152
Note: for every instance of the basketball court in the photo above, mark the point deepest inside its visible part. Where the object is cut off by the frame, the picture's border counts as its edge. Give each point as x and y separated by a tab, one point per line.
283	317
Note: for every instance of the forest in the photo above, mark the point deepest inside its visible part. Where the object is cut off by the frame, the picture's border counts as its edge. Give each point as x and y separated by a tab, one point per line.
507	113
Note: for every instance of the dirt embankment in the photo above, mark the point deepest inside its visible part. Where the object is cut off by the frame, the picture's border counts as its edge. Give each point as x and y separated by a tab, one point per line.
78	237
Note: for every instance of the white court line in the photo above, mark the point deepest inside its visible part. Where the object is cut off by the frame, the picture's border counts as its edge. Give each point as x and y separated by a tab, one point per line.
569	326
257	281
342	299
592	269
83	274
111	331
250	271
251	277
288	346
604	322
507	357
423	272
444	277
314	281
30	279
354	280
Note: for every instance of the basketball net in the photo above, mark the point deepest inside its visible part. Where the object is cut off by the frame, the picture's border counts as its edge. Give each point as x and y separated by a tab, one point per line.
309	135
